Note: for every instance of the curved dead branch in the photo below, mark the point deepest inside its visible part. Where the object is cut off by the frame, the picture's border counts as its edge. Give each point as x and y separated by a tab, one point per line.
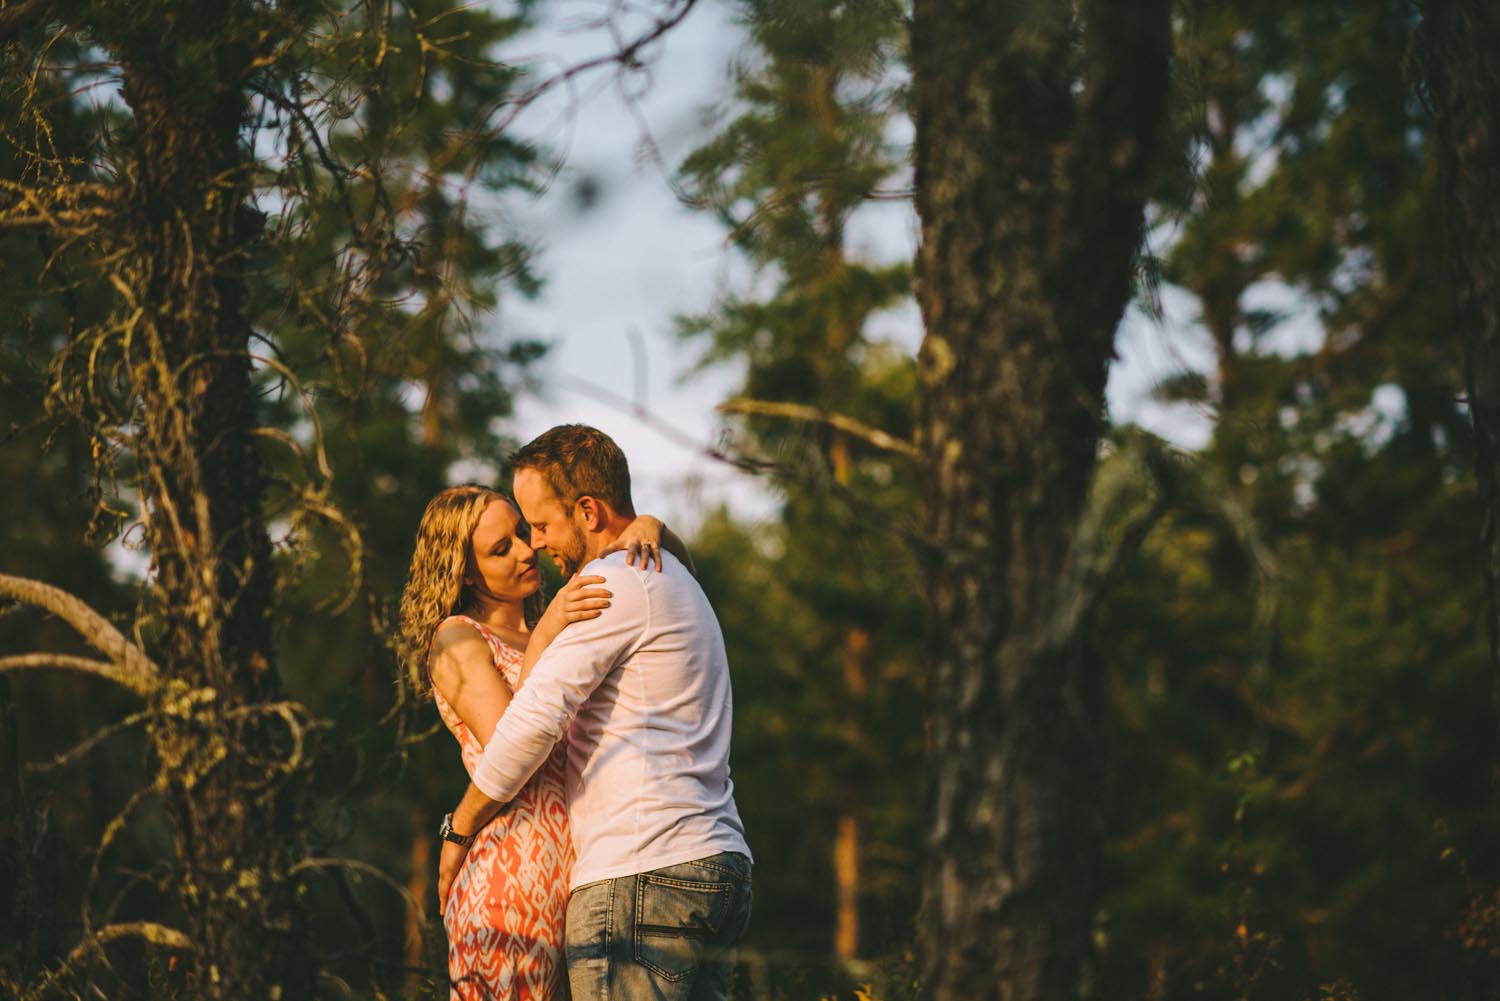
882	440
148	931
143	686
128	665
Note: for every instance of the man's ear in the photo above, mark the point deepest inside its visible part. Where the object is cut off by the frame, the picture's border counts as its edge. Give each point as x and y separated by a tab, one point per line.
592	511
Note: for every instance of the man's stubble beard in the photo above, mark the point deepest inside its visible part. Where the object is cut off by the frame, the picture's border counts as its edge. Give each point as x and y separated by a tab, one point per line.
571	557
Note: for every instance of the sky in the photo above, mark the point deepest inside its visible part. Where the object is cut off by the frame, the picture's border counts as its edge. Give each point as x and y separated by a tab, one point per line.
617	274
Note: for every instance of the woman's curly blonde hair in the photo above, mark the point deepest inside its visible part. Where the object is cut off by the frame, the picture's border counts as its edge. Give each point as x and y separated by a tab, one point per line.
435	583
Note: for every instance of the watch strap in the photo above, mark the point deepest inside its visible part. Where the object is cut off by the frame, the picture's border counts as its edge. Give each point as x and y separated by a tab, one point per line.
447	833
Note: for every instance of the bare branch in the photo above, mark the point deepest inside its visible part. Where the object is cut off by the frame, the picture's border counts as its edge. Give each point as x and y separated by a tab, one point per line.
143	686
628	56
662	426
1130	493
801	412
757	465
353	546
148	931
62	207
88	744
39	221
156	934
290	377
291	714
95	629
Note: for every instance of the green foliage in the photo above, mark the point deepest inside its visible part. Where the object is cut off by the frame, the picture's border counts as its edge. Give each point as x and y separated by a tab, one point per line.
797	759
383	262
1298	742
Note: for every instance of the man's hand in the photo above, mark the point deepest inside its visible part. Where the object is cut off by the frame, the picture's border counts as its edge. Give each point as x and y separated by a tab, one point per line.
450	860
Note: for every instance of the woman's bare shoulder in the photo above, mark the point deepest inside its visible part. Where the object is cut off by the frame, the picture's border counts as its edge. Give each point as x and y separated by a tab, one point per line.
457	636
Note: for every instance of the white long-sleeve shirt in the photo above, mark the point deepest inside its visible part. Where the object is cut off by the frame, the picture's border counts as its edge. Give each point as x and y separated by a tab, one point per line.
645	687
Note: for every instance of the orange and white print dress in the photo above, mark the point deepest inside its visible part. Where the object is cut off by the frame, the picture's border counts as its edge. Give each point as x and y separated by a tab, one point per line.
504	915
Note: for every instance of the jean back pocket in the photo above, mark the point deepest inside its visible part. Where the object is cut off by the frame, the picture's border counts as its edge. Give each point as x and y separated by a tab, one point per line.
675	919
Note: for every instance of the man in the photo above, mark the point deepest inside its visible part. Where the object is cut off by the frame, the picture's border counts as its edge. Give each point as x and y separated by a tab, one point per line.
661	887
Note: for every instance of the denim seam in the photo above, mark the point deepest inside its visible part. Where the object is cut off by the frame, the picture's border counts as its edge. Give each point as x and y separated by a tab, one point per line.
700	885
609	943
716	867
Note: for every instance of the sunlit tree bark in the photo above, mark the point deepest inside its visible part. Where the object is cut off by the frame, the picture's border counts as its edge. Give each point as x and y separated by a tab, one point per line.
204	491
176	228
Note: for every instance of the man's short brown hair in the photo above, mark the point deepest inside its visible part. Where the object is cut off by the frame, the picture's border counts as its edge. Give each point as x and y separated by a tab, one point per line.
579	461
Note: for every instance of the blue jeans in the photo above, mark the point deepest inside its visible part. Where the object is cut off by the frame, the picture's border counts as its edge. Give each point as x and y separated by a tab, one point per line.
664	935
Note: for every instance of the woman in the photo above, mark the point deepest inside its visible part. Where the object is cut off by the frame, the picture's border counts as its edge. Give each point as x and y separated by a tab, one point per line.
472	626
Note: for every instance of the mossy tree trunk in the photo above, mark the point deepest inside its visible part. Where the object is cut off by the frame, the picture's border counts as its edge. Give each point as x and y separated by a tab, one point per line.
1035	123
225	749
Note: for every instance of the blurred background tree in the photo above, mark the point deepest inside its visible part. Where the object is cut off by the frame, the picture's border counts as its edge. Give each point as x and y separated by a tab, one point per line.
1260	664
806	142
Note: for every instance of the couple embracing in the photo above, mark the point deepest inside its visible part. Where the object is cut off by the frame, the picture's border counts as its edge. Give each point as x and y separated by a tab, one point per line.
598	847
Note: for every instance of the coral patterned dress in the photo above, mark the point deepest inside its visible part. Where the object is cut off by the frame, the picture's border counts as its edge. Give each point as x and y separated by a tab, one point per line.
504	915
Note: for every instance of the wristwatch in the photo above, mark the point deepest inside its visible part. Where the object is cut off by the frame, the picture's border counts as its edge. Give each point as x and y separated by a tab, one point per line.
447	833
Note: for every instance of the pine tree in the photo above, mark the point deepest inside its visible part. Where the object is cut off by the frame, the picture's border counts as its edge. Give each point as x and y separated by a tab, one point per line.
1259	642
809	146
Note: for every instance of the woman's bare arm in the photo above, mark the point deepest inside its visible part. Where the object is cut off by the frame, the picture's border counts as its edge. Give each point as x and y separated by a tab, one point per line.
646	536
463	669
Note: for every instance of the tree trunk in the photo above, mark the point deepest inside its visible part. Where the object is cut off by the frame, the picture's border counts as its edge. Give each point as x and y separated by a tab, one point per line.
847	842
846	848
847	845
224	755
1031	158
1464	82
